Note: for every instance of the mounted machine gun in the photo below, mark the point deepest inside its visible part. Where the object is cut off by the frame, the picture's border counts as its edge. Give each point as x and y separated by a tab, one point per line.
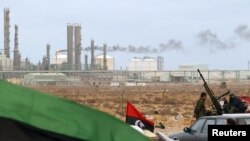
210	92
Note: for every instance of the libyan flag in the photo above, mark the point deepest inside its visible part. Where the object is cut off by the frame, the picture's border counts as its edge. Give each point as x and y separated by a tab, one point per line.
29	115
134	117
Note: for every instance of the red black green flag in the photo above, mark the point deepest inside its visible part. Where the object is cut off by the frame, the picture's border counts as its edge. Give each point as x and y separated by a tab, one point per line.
134	117
29	115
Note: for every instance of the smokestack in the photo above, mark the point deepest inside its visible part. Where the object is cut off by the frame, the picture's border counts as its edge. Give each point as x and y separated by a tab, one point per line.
45	63
16	62
7	32
92	55
48	55
27	64
70	47
86	62
78	47
105	57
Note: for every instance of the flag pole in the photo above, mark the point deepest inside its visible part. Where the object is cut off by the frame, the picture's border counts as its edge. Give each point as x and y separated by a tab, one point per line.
121	104
122	101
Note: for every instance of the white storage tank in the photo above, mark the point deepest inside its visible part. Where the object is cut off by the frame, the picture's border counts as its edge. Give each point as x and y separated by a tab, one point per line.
59	58
149	64
146	64
99	62
135	64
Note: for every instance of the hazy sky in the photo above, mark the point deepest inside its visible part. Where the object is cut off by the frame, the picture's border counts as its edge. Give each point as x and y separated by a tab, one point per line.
213	32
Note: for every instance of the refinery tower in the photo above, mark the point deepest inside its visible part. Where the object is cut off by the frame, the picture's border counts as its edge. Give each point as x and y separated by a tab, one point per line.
74	47
7	32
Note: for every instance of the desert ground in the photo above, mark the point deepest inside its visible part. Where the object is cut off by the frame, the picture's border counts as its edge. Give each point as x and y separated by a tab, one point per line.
170	104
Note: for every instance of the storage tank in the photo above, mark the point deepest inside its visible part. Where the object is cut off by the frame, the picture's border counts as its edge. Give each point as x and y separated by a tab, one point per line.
59	58
145	64
135	64
149	64
99	62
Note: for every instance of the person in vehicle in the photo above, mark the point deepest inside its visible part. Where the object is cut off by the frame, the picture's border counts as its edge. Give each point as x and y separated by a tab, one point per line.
236	105
200	108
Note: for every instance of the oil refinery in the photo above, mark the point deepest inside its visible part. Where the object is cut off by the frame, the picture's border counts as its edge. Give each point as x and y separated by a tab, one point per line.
93	64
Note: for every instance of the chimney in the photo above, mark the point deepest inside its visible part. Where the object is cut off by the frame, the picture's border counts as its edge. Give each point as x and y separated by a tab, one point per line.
7	32
70	54
105	57
86	62
92	55
48	55
16	60
45	63
26	63
78	46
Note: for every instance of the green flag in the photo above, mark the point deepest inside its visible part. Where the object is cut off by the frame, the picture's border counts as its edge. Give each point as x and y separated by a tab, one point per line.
35	116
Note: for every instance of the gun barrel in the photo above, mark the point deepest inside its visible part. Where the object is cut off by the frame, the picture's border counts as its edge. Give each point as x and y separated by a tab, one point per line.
219	97
211	95
201	76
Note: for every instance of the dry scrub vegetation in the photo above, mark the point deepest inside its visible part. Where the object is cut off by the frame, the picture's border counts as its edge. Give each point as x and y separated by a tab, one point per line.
171	104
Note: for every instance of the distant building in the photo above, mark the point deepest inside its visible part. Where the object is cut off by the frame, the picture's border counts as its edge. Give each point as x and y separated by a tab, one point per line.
45	78
99	62
145	64
192	67
25	64
188	73
6	64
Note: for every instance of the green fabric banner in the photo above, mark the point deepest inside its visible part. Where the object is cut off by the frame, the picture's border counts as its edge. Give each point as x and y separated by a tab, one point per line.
62	116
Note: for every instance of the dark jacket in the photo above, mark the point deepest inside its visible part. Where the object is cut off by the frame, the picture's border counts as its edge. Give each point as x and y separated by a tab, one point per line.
236	103
200	109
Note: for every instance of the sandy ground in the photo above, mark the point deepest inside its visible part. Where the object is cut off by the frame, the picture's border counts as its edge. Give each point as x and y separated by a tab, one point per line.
170	104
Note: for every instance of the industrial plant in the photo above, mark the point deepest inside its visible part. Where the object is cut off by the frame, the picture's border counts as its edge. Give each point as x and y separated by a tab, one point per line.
97	67
69	58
